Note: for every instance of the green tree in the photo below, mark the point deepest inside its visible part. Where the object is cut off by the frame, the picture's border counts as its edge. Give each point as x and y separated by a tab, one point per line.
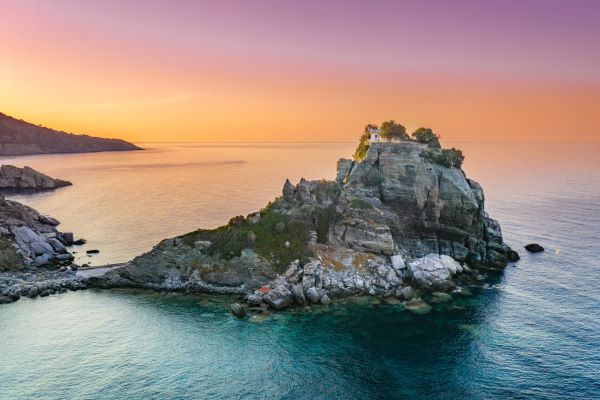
390	130
426	135
451	158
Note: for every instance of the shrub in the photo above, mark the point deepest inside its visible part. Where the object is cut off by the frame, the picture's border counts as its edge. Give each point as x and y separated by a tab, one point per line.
446	157
390	130
426	136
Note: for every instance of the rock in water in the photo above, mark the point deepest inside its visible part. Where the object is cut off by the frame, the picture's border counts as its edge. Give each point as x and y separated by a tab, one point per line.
534	248
254	299
14	178
238	310
418	306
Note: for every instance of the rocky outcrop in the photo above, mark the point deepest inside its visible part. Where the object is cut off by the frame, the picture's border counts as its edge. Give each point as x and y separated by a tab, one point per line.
29	239
18	137
395	225
425	207
27	179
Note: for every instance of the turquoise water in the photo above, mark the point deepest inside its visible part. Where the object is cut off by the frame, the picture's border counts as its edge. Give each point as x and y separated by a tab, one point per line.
532	332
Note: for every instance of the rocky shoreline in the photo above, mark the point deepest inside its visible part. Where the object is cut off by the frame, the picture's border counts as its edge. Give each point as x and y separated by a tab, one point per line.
38	282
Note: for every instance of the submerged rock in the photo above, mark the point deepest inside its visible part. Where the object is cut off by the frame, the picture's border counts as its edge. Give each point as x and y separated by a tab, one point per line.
238	310
418	306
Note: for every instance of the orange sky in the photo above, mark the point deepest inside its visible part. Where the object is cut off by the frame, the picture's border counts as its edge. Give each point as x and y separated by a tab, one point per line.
174	74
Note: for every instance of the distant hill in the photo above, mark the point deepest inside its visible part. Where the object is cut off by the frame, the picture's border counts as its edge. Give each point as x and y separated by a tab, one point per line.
18	137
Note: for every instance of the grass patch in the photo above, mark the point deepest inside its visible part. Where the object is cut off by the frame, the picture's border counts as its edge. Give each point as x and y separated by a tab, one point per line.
360	204
267	238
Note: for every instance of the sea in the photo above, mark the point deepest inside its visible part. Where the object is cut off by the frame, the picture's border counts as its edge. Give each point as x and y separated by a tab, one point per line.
532	332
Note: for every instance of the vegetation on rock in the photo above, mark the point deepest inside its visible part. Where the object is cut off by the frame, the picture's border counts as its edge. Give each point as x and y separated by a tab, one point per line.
426	136
277	237
390	130
447	157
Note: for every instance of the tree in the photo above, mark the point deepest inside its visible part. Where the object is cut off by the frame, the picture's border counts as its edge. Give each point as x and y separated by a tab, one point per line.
426	135
390	130
451	158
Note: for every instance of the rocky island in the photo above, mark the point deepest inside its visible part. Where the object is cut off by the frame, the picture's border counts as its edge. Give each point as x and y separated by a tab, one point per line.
27	179
401	221
18	137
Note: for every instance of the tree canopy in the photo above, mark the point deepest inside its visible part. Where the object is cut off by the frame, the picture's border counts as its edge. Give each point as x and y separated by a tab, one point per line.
426	135
390	130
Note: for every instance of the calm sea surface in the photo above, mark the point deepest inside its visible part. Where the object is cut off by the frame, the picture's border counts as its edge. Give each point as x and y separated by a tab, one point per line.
533	332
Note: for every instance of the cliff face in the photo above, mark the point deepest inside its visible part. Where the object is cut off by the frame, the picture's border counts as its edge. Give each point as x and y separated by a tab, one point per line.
396	200
394	221
14	178
20	138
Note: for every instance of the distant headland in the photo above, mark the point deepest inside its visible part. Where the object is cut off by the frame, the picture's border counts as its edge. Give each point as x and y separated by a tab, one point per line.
18	137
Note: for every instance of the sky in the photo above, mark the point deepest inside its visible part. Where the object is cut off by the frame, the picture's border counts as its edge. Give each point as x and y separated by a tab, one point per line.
192	70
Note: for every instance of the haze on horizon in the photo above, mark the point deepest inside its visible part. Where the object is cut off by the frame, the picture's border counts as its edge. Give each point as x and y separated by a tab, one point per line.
185	70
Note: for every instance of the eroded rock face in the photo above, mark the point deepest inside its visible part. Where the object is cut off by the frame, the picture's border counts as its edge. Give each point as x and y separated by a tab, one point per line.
428	208
14	178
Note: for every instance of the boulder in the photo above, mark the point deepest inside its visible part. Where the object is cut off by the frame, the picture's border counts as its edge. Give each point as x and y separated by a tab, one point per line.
279	298
325	300
512	256
398	262
57	245
312	295
67	238
254	299
406	293
298	291
534	248
41	247
434	271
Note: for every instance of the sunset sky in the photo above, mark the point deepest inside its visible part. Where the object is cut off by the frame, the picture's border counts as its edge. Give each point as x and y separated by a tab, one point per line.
148	70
